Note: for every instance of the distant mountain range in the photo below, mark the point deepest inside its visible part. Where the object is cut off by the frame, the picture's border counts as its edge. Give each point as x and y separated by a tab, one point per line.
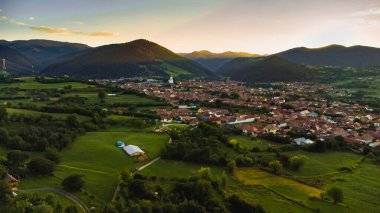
336	55
264	69
44	52
16	63
145	58
213	61
135	58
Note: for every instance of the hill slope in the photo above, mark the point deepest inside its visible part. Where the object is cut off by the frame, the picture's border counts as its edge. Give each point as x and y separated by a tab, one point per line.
355	56
17	63
213	61
45	52
135	58
264	69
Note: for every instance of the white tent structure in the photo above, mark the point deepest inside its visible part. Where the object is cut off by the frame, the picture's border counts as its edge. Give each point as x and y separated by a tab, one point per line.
133	150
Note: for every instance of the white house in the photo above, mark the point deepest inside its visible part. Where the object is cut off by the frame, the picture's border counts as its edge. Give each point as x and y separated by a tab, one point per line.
133	150
300	141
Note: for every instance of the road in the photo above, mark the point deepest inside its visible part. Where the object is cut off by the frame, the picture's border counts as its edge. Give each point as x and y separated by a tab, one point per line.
62	192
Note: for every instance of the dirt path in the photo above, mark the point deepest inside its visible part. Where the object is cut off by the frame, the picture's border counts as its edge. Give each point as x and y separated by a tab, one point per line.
62	192
138	169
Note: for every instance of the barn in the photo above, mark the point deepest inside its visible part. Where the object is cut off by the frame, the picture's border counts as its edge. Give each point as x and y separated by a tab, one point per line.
133	150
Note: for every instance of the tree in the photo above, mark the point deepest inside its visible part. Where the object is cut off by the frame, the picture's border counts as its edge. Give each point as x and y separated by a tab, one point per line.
72	121
52	155
16	159
73	183
336	194
102	95
41	166
231	166
205	173
4	136
71	209
3	113
276	167
297	161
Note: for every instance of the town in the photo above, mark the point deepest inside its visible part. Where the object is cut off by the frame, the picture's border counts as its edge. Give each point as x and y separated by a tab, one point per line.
296	109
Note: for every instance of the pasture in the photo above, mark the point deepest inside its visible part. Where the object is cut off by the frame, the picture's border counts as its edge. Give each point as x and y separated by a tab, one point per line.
30	83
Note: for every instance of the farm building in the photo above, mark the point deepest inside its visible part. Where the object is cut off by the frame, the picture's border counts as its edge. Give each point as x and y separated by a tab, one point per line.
133	150
11	182
300	141
120	144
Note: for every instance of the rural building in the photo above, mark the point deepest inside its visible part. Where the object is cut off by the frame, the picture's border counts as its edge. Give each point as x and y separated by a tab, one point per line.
300	141
133	150
120	144
11	181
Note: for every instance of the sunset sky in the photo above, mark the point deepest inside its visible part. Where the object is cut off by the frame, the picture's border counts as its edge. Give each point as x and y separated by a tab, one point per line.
255	26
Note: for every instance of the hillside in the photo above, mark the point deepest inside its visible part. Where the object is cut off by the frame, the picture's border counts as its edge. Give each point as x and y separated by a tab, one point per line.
135	58
213	61
355	56
17	63
264	69
45	52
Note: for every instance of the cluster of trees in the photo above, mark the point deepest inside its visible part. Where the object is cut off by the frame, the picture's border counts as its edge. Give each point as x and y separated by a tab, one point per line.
202	144
19	163
30	202
38	133
200	193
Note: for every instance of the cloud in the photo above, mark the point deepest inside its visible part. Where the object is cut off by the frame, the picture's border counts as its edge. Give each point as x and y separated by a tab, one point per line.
18	23
32	18
54	30
368	12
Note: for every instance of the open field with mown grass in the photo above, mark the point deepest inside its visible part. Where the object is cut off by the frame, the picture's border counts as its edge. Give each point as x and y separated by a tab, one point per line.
61	116
324	163
92	97
30	83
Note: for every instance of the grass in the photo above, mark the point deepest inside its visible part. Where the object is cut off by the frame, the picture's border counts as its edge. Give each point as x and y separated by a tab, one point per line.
298	193
37	113
247	142
29	83
165	168
361	189
324	163
92	97
96	156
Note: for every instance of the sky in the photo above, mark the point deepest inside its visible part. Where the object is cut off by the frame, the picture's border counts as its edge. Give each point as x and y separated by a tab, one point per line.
254	26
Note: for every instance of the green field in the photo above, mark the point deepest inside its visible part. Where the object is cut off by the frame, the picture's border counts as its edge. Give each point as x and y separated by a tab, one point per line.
324	163
37	113
29	83
247	142
95	156
361	188
92	97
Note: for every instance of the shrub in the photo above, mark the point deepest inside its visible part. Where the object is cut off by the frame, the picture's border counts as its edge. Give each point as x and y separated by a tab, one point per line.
41	166
335	194
73	183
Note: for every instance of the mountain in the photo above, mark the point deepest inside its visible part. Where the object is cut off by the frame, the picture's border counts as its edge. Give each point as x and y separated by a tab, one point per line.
355	56
44	52
213	61
16	63
135	58
264	69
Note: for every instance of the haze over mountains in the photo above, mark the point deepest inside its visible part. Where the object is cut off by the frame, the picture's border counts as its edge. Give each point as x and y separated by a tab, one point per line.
264	69
44	52
336	55
213	61
145	58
